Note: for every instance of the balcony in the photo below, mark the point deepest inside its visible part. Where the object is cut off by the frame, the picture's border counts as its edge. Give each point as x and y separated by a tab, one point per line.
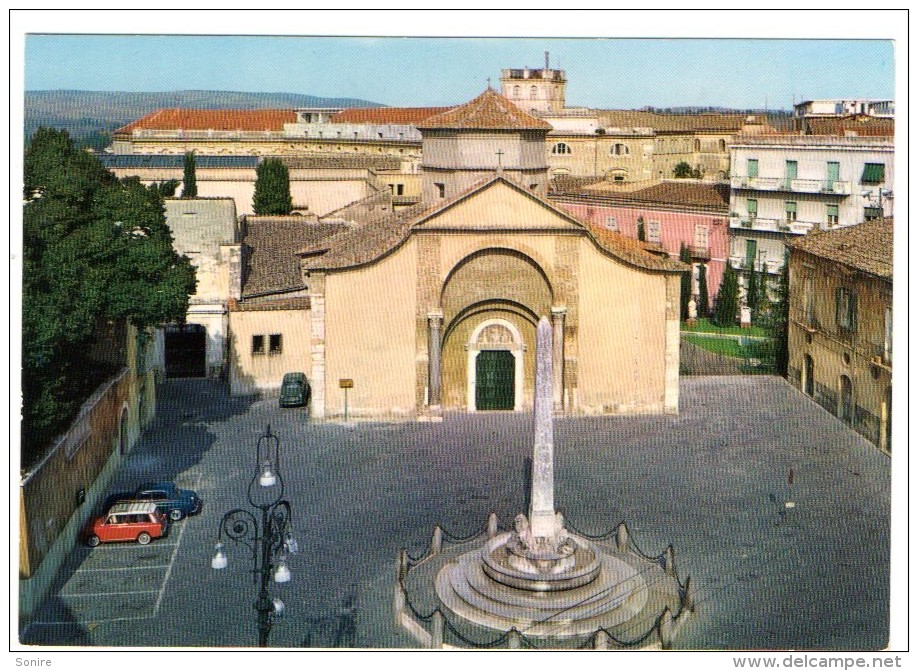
774	225
791	185
881	356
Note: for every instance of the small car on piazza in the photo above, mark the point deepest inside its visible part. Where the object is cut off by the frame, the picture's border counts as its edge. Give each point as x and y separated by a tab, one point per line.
294	391
128	521
171	500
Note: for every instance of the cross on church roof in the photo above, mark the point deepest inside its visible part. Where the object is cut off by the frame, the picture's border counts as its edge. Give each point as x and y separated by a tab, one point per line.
499	152
489	82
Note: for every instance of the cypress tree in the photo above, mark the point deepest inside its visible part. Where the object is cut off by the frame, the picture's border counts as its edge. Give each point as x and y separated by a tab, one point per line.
272	188
727	297
686	289
189	181
752	292
779	319
703	307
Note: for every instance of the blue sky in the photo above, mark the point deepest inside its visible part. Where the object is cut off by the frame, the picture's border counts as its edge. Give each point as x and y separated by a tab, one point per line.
415	71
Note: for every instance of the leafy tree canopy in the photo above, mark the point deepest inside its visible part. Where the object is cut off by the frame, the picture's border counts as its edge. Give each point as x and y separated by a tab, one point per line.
96	250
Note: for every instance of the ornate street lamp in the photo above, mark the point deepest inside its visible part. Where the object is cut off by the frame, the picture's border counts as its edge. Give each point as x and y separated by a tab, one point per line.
272	542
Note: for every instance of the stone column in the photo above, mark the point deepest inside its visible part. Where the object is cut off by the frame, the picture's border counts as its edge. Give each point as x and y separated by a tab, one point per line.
542	500
434	321
557	346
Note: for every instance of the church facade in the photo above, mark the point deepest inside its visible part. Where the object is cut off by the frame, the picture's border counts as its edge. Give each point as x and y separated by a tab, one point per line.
435	307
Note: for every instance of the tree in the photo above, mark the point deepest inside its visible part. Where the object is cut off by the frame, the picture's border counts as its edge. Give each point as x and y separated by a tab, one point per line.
96	250
752	292
165	189
778	319
640	229
685	255
682	170
272	188
727	298
703	307
189	179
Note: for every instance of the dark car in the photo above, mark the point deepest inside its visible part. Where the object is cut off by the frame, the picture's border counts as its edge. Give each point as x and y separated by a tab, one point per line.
171	500
294	390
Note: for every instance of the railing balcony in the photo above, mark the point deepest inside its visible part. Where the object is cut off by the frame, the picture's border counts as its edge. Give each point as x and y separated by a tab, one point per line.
755	223
776	225
793	185
881	356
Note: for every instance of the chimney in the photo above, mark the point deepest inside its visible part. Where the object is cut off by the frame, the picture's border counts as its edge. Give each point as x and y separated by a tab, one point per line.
546	60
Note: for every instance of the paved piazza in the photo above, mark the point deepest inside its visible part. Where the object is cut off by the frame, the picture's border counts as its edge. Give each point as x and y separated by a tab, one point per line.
712	481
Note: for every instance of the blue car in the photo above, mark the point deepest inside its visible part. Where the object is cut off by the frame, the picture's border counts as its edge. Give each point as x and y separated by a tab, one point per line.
171	500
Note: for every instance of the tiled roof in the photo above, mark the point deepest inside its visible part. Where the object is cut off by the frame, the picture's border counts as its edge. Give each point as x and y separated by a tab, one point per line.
399	116
861	125
194	119
867	247
270	247
690	193
633	251
270	303
489	111
124	161
677	122
364	243
367	243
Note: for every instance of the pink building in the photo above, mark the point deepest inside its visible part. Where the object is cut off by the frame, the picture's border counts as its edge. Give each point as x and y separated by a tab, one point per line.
673	213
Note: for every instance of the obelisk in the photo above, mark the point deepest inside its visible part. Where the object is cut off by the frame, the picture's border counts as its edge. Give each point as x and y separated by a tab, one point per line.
542	502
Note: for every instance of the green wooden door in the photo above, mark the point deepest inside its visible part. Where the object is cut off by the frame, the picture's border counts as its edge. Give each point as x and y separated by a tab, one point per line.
832	171
494	380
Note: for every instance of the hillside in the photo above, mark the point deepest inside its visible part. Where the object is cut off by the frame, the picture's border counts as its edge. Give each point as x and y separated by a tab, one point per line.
89	116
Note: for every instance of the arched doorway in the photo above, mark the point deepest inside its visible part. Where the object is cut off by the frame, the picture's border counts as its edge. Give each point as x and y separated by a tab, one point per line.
886	438
807	375
495	366
846	400
122	432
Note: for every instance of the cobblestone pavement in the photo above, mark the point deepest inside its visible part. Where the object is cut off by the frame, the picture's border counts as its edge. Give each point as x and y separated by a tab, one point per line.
712	481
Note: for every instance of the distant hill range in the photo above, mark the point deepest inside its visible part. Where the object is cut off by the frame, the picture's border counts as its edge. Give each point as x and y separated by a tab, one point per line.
91	116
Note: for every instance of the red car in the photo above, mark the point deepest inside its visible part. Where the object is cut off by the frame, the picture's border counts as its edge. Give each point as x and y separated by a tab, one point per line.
132	521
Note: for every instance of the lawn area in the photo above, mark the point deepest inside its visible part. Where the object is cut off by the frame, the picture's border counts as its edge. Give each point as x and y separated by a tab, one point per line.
725	346
706	326
757	354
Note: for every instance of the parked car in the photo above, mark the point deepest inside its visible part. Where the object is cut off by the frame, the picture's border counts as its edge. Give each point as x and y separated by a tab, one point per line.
294	390
128	521
171	500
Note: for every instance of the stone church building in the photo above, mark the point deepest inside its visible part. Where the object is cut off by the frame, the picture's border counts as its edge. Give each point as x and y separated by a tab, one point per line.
435	307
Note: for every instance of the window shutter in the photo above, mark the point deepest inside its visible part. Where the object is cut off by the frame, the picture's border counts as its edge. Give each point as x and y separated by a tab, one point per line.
874	173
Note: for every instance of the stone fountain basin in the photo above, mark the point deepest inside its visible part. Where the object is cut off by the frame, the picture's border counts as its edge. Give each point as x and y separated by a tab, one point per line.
542	572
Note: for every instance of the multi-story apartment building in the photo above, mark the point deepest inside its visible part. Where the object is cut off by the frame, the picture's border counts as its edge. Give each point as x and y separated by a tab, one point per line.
840	337
785	186
845	107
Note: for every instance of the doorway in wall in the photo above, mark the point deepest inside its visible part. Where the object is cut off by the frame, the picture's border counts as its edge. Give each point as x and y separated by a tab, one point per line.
495	380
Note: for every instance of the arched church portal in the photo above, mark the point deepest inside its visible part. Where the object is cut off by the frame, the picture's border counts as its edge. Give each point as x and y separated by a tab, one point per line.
495	367
490	303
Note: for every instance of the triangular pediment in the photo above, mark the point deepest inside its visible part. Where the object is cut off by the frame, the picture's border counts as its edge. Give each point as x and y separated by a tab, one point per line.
499	206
